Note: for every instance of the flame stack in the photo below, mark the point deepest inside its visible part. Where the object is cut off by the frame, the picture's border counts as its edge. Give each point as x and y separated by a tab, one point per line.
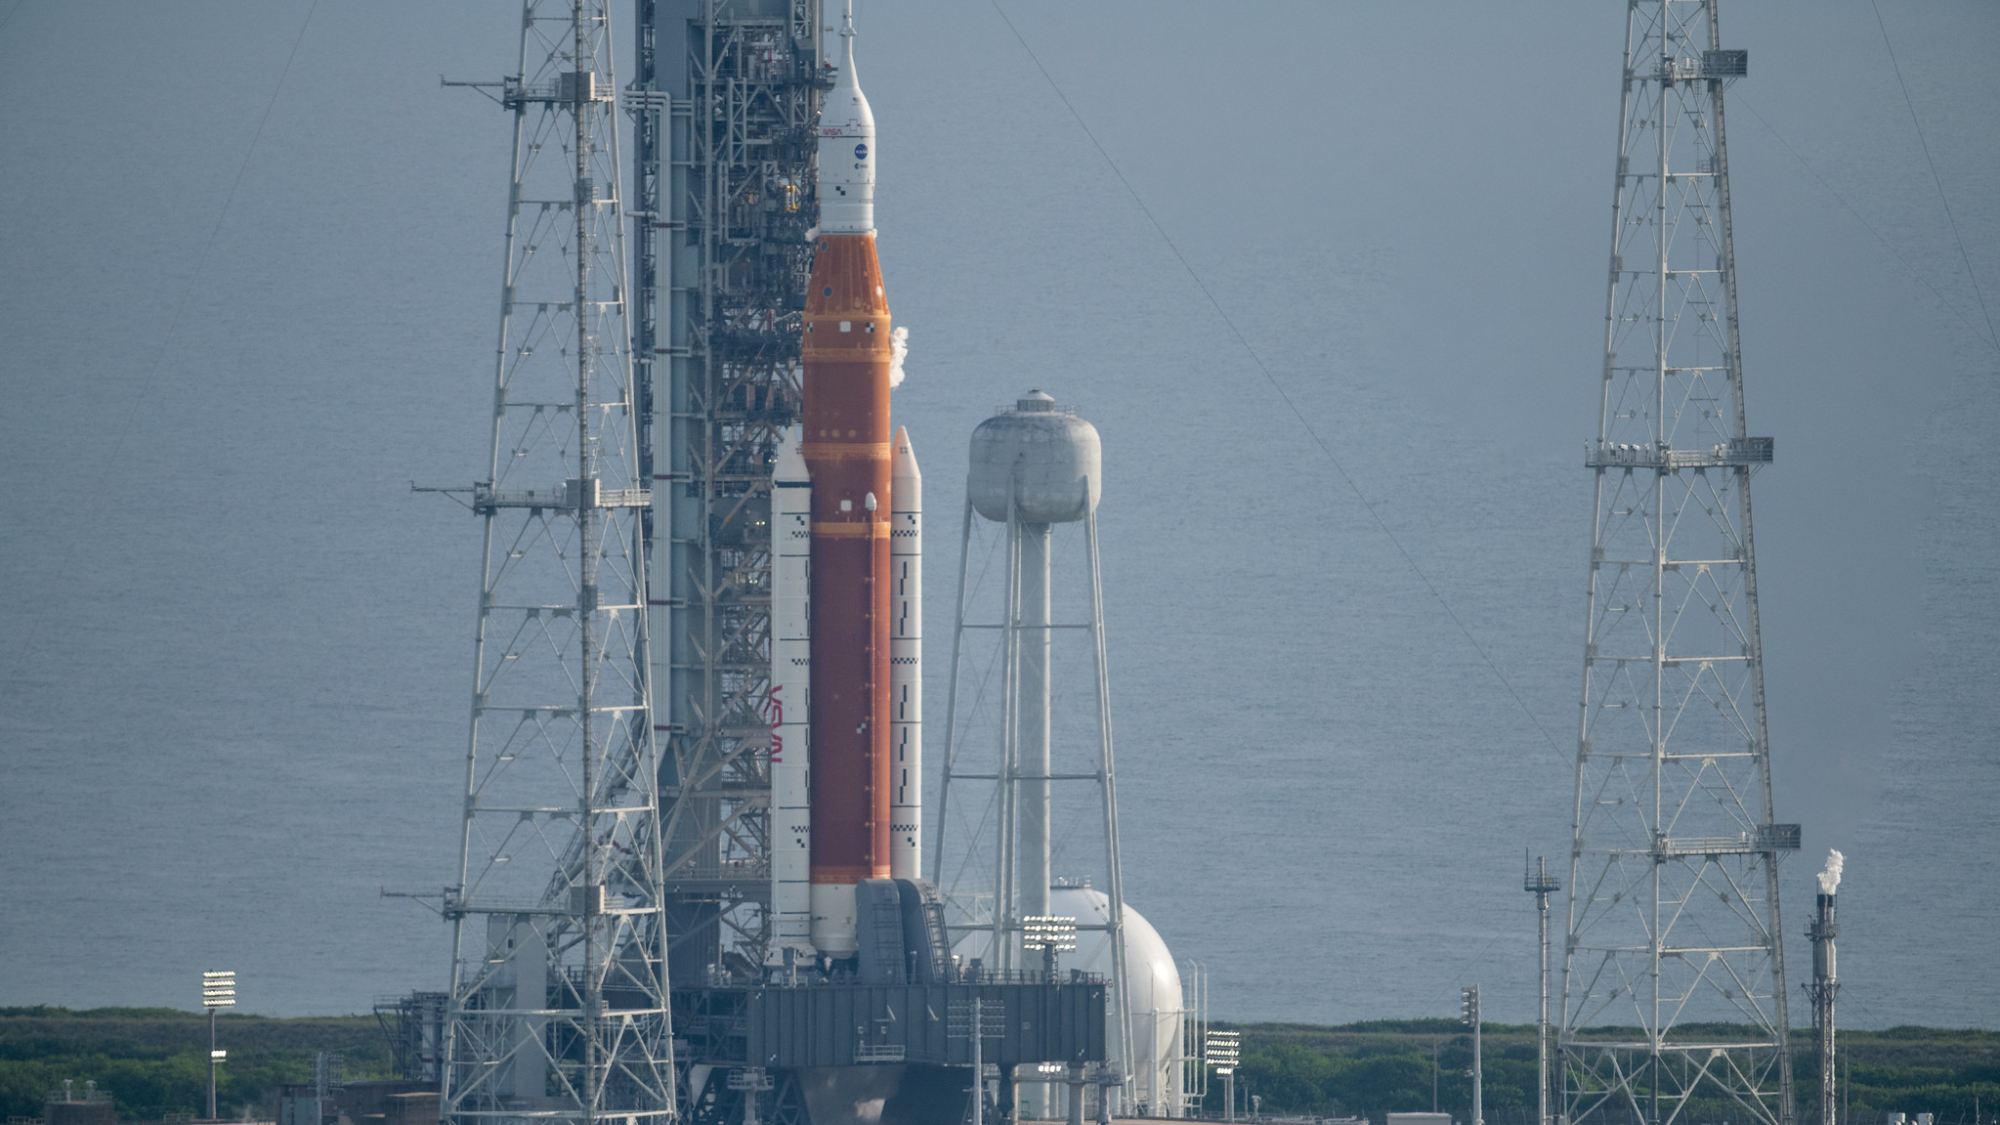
1825	983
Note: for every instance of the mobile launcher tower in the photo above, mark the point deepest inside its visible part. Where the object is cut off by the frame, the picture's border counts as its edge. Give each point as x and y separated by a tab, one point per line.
812	975
1674	1003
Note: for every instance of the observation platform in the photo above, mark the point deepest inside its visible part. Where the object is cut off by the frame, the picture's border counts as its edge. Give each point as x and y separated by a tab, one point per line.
1661	458
1767	838
568	496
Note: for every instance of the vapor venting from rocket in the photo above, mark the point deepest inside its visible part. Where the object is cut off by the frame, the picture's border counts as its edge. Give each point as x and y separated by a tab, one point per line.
899	346
1829	880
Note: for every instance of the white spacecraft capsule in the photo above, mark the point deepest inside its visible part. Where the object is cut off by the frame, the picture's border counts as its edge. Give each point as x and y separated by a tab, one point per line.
791	673
906	660
846	147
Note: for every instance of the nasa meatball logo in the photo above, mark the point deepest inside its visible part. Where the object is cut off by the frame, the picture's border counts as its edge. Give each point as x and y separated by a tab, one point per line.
860	152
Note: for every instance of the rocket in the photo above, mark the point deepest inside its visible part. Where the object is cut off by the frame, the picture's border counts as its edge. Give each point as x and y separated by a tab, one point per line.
846	710
846	446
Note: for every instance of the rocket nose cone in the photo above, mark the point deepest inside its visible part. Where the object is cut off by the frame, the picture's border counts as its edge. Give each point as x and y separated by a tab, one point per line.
791	464
903	458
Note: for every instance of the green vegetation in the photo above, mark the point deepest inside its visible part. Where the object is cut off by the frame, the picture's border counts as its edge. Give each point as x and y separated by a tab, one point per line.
154	1061
1370	1069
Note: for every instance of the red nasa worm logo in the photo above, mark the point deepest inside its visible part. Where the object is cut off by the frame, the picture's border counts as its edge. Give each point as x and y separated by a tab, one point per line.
775	711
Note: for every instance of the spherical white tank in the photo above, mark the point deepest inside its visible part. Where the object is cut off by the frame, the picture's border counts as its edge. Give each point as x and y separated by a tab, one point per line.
1049	462
1158	1006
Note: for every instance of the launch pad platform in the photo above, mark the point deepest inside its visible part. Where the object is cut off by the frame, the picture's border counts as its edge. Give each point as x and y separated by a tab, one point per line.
1027	1019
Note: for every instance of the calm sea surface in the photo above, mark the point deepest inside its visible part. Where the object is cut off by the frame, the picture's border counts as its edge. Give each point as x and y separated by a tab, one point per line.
234	647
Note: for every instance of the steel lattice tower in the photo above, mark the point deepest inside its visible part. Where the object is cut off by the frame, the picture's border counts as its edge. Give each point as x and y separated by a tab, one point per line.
558	1007
1673	971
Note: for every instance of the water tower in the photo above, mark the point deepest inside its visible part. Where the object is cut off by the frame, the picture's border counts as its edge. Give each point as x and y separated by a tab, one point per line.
1032	467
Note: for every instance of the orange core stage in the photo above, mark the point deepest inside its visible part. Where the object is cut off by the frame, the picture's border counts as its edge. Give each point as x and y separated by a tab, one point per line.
846	354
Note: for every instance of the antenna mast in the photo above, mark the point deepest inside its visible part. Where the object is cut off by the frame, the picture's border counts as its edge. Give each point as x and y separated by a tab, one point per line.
1673	909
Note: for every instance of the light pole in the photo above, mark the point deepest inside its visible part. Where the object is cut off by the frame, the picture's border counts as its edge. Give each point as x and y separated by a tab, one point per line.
1222	1050
218	991
978	1021
1469	1005
1053	935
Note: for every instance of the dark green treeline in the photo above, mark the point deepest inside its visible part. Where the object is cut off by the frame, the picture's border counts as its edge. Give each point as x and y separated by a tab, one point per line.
1371	1069
153	1062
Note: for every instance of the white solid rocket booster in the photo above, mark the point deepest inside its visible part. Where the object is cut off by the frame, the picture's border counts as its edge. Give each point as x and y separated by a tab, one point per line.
791	672
906	660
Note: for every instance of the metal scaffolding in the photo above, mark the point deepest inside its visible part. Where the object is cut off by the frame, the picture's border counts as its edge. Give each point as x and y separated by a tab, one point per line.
1673	971
728	94
558	1004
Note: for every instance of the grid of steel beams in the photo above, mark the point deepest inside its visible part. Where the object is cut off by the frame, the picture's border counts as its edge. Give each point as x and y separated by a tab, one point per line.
558	1004
729	92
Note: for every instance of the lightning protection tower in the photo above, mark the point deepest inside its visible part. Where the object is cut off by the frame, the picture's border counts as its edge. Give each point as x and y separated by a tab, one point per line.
1673	909
558	1002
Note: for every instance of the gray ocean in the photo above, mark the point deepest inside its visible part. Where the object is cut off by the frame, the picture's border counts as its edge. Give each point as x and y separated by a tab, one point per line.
235	648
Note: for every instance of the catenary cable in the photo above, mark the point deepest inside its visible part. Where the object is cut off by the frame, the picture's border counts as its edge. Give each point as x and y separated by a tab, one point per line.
1744	103
187	291
1992	336
1297	414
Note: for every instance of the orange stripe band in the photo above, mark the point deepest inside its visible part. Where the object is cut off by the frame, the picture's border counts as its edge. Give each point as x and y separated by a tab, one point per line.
876	529
844	450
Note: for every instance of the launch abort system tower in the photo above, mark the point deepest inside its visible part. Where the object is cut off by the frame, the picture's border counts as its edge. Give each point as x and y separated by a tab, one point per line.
1673	910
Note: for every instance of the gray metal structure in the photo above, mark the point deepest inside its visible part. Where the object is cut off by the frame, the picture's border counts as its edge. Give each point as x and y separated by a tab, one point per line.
1673	931
413	1026
1032	466
558	1001
727	94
